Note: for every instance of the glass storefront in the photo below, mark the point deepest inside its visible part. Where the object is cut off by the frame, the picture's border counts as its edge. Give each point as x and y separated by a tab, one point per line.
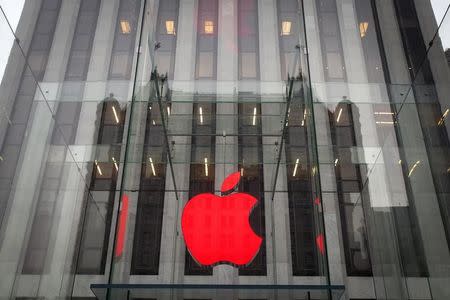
311	135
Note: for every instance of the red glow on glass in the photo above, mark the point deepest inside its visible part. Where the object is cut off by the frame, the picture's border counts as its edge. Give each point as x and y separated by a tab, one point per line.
320	243
317	201
230	182
123	215
217	229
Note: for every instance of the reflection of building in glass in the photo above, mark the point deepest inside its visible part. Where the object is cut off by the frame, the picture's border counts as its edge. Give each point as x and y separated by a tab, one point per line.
334	113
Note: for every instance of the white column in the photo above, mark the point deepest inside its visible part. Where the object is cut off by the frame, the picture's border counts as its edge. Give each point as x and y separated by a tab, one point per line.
272	112
226	146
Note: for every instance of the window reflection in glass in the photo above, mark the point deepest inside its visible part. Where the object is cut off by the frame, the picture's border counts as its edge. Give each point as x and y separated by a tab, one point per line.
252	180
349	190
301	205
149	214
202	168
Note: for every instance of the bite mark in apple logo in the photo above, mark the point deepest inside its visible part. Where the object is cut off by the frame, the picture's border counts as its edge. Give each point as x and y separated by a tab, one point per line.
217	229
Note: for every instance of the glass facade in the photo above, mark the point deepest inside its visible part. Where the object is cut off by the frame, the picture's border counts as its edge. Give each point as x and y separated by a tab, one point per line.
333	114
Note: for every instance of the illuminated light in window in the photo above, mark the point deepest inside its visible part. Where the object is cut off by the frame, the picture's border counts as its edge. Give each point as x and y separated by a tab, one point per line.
206	167
385	122
99	170
168	110
209	27
254	117
413	168
441	120
200	110
115	163
303	122
242	172
339	116
152	166
336	162
296	167
286	27
383	113
149	108
363	28
153	122
115	114
125	26
170	27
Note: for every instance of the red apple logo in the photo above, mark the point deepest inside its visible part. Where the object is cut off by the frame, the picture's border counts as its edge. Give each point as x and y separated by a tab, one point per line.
217	229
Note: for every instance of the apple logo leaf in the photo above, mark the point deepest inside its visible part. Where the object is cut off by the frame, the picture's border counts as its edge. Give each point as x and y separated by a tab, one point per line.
230	182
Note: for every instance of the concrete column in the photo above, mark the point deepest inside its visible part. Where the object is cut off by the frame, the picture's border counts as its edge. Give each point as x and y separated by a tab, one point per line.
172	244
272	112
226	108
34	157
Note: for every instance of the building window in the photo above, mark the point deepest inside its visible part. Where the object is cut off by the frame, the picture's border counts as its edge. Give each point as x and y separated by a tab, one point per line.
252	177
166	36
80	52
248	39
202	168
330	39
349	190
149	215
124	40
367	27
207	39
300	193
288	27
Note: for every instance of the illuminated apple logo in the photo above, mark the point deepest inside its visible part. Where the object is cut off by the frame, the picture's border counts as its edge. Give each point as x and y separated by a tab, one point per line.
217	229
